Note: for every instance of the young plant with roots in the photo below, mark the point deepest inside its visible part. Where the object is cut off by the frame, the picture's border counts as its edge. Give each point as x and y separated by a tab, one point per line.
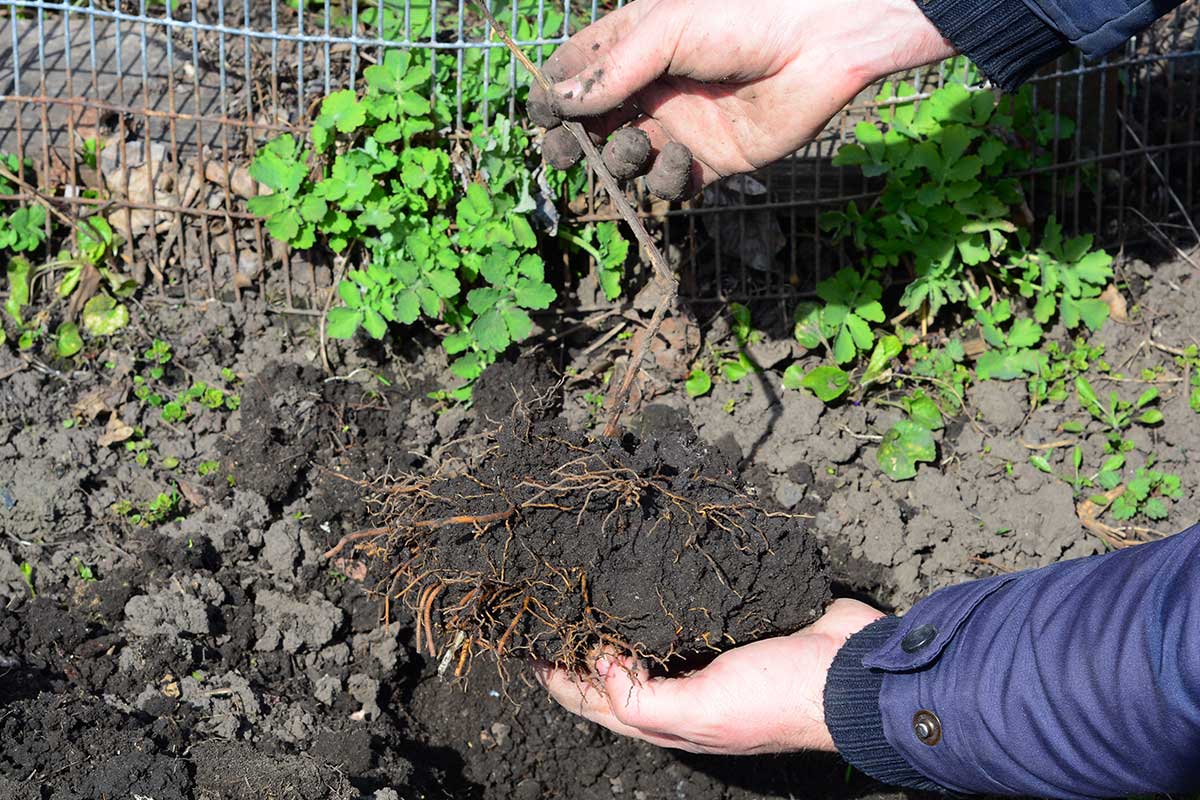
551	545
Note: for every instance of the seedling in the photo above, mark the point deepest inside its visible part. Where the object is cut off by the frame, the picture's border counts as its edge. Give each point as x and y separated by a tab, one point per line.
1146	495
1118	414
1107	477
910	441
27	575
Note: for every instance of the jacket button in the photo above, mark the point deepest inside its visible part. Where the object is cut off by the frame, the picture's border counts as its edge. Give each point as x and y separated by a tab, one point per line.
927	727
918	638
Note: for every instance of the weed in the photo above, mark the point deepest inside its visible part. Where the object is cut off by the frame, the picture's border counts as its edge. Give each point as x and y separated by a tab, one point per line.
1146	494
1118	415
910	440
699	383
163	508
85	573
27	576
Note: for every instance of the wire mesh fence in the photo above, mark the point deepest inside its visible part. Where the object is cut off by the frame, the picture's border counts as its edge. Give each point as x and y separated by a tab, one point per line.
178	94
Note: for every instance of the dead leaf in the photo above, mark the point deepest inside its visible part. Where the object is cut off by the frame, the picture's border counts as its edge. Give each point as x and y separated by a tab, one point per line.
90	406
1089	512
1118	310
116	431
974	348
192	493
169	686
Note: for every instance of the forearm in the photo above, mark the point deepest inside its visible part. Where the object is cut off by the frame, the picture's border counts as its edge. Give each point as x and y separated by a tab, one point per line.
1010	39
1078	680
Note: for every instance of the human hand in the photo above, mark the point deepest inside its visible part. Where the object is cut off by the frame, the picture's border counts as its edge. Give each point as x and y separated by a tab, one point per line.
740	83
764	697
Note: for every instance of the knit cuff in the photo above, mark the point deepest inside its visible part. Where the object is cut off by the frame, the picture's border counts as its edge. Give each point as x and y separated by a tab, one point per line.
852	711
1005	39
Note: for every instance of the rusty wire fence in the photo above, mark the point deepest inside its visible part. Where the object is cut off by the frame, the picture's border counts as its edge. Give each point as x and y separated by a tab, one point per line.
180	93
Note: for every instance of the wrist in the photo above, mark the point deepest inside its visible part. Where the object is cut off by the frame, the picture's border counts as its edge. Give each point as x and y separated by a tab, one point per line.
882	37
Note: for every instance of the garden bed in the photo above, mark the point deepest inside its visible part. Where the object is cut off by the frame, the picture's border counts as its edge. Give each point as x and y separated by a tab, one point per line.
174	627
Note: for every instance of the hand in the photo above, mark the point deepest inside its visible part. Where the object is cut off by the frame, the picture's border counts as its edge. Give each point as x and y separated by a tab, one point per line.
765	697
741	83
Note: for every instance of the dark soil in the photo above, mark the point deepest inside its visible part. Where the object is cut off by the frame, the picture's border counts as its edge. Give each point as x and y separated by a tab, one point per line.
222	656
626	152
556	543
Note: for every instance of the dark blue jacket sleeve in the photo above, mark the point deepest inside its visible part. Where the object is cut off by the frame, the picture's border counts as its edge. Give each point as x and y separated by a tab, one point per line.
1009	39
1078	680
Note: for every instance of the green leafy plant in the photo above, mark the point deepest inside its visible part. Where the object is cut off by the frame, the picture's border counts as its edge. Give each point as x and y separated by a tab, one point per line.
1146	494
699	383
1107	477
165	507
906	444
27	575
607	247
1117	415
949	227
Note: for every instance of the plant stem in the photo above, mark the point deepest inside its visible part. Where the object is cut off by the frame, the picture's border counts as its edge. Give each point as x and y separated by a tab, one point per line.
667	282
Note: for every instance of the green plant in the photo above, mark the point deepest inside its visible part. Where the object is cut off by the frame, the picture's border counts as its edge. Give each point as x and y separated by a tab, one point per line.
842	324
85	573
1107	477
948	228
1118	415
906	444
163	508
607	247
829	382
27	575
1146	494
206	468
699	383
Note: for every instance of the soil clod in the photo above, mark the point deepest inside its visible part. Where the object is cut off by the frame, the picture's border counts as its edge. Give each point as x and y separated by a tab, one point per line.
626	153
560	148
670	177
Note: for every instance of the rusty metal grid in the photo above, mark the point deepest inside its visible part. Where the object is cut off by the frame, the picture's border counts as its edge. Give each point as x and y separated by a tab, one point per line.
183	91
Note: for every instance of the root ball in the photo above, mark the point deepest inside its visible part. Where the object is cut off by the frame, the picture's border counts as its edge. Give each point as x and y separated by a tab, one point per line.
553	544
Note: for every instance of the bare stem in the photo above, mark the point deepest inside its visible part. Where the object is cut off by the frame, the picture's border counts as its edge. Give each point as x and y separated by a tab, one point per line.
667	282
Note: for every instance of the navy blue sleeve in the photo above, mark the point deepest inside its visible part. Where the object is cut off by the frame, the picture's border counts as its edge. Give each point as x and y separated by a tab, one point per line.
1077	680
1010	39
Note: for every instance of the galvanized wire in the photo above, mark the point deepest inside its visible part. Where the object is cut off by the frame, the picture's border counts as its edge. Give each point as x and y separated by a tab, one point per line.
187	88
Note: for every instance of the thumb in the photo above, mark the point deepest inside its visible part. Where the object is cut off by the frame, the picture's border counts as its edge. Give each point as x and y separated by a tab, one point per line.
632	62
665	705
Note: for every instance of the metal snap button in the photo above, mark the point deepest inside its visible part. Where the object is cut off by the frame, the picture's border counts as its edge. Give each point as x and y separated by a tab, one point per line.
917	638
927	727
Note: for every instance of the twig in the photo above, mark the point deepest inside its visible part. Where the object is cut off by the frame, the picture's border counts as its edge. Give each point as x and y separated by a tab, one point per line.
1178	203
665	279
1048	445
36	195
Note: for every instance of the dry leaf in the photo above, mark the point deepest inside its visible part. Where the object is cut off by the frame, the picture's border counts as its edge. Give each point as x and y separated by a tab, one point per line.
90	406
115	431
974	348
192	493
1089	512
1118	310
